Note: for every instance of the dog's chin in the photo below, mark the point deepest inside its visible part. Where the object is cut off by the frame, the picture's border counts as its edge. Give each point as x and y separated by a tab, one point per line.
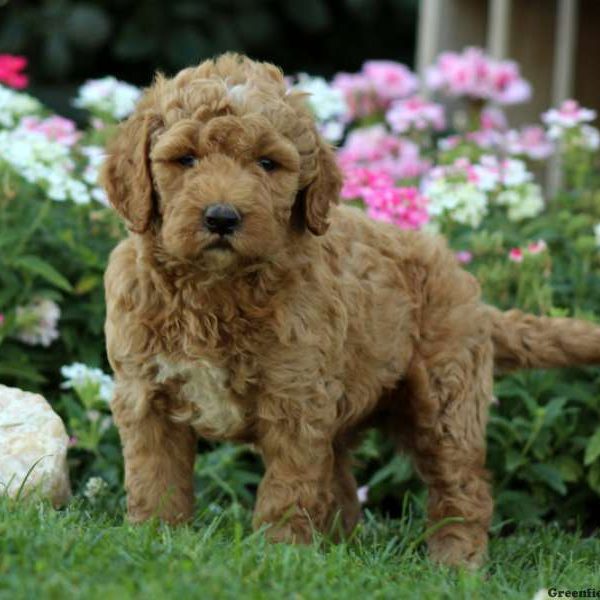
219	255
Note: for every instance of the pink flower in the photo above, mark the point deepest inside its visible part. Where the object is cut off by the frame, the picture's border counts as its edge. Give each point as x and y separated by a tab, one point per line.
569	114
1	319
404	207
537	247
478	76
391	80
72	441
531	141
379	83
516	255
357	180
464	257
360	96
55	128
98	124
375	148
493	118
10	71
415	113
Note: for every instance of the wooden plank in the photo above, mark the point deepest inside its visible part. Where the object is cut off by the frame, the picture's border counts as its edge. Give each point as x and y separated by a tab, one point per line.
498	31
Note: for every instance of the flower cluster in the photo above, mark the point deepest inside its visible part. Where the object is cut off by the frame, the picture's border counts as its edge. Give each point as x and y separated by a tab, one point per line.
15	105
95	488
530	141
405	207
327	103
376	148
478	77
463	191
11	71
518	254
108	98
36	323
415	113
78	375
570	123
373	89
44	162
55	128
453	193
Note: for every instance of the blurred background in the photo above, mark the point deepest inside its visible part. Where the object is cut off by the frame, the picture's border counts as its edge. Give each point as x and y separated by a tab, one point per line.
69	41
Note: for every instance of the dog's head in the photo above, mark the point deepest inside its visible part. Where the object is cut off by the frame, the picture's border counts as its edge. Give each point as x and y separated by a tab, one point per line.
221	162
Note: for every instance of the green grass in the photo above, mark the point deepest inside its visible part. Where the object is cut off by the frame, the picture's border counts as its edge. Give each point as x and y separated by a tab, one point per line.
82	552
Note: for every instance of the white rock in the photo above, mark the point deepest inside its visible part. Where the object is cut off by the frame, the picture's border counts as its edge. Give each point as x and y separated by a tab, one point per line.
31	433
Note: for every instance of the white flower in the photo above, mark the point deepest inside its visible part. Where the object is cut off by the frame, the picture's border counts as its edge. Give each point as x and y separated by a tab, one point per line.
37	322
94	488
461	202
326	102
522	202
363	494
541	594
78	374
14	105
597	234
590	138
43	162
108	97
332	131
95	156
514	172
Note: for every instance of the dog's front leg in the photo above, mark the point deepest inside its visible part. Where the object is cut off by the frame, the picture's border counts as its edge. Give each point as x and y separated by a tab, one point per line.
296	494
159	458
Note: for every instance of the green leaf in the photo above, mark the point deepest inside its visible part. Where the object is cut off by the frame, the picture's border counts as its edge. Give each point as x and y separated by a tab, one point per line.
23	372
37	266
549	475
594	478
569	468
592	449
514	460
87	283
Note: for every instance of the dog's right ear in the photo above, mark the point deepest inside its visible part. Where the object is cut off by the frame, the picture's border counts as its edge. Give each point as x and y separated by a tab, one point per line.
126	175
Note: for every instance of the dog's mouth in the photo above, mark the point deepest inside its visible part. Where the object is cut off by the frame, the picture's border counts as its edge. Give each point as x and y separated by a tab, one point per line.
221	243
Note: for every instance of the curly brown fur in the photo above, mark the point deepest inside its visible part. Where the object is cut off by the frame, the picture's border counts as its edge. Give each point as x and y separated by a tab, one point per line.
311	323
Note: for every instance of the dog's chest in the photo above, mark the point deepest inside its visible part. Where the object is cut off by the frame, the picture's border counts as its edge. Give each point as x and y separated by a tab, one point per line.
208	404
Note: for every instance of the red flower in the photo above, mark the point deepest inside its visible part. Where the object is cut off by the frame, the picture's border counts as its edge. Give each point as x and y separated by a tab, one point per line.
10	71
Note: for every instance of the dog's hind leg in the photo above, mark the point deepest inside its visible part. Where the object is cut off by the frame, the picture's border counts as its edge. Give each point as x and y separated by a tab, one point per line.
159	463
347	505
449	453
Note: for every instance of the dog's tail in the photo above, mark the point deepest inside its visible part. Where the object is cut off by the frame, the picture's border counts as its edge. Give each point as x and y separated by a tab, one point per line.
524	341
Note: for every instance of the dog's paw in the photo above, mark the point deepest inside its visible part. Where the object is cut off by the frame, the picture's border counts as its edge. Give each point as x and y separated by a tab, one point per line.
459	550
294	531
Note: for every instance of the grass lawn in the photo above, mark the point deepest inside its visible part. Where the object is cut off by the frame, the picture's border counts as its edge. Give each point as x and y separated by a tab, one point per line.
82	552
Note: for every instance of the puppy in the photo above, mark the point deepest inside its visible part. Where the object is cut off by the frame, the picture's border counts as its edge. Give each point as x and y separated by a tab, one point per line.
246	305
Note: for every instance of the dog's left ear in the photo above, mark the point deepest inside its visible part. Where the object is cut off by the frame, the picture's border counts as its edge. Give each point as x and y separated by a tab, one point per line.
324	190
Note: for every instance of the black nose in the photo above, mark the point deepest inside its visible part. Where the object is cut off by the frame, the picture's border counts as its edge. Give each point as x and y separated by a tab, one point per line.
221	218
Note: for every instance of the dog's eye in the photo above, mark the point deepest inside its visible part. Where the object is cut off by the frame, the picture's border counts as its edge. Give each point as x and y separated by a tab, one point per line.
187	160
267	164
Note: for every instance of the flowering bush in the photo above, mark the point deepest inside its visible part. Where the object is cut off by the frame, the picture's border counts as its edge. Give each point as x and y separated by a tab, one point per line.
407	160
